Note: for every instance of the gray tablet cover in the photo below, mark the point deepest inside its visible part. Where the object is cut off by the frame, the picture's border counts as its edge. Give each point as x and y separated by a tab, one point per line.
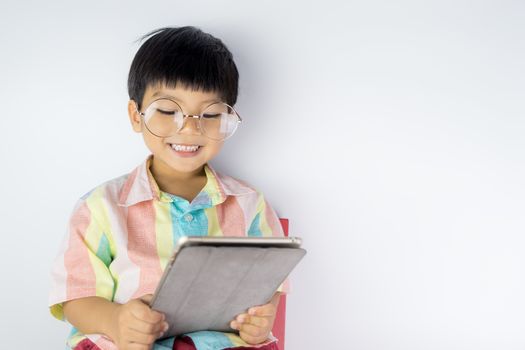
208	286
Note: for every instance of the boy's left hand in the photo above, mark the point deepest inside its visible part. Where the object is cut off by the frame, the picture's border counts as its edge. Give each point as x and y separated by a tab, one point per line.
255	326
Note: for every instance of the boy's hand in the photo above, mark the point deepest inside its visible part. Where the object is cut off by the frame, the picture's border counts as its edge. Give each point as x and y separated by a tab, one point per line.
134	325
255	326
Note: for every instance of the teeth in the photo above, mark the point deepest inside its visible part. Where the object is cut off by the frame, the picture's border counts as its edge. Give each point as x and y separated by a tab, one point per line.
183	148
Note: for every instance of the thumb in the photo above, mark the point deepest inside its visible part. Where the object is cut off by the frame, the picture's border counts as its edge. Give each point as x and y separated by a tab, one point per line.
146	298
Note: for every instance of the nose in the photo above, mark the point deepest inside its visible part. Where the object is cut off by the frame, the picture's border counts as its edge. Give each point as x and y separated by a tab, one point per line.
190	125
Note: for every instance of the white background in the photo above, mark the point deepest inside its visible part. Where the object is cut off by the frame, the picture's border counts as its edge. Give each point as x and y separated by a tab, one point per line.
391	134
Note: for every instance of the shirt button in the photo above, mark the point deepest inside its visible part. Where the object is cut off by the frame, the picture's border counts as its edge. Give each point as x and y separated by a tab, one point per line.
188	217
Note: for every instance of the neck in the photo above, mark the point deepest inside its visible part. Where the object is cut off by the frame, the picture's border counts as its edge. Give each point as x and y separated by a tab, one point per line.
165	175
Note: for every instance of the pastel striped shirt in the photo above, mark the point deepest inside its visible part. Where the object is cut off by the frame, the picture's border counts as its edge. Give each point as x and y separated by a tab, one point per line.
121	235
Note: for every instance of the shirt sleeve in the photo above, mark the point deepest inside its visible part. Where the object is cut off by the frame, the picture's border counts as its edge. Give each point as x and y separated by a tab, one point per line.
266	223
81	266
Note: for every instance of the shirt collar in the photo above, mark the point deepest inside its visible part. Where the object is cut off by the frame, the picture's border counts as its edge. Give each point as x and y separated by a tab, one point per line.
140	185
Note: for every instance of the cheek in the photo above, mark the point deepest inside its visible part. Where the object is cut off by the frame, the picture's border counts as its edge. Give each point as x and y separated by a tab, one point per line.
215	147
152	142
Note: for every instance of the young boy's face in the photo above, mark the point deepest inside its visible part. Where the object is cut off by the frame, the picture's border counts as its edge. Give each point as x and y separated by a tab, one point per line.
192	102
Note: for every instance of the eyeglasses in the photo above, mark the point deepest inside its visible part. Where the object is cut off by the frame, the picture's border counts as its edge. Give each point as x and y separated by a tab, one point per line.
164	117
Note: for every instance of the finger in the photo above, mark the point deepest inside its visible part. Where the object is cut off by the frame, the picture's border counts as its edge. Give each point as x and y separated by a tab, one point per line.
241	318
264	310
251	339
148	328
252	330
137	346
259	321
134	346
146	298
144	313
141	338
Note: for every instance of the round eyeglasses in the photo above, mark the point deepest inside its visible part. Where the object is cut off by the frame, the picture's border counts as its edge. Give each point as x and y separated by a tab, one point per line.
164	117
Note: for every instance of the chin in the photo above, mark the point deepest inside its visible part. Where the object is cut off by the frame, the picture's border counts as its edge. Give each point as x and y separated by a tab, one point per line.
181	164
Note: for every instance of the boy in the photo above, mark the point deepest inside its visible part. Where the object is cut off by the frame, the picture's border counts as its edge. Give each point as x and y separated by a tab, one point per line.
182	86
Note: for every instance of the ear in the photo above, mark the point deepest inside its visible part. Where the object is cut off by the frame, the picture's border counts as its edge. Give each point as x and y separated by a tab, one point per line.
134	116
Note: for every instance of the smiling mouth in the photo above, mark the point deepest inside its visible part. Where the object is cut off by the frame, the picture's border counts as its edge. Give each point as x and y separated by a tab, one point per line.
184	148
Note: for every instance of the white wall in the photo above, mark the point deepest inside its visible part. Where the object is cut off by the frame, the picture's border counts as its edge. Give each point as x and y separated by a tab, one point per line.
390	133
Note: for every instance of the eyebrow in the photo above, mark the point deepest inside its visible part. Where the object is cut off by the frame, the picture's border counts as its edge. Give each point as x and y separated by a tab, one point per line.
160	94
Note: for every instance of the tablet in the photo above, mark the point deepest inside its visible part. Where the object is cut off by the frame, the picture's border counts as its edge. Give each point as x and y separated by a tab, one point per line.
210	280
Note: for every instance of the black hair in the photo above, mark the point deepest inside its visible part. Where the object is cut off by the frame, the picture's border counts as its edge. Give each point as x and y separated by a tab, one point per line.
186	56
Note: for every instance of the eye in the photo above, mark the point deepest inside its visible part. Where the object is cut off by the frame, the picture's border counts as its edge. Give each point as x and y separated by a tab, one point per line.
166	112
211	115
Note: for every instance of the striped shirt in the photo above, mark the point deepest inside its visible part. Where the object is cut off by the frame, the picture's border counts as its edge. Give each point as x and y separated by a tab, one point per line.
121	235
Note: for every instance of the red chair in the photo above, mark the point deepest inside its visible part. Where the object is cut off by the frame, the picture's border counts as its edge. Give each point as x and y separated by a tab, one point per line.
279	323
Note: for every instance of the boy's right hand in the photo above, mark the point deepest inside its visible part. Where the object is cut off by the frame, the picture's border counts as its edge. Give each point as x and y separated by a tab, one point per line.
135	326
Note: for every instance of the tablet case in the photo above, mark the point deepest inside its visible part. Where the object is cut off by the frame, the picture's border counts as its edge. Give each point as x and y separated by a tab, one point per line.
208	286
